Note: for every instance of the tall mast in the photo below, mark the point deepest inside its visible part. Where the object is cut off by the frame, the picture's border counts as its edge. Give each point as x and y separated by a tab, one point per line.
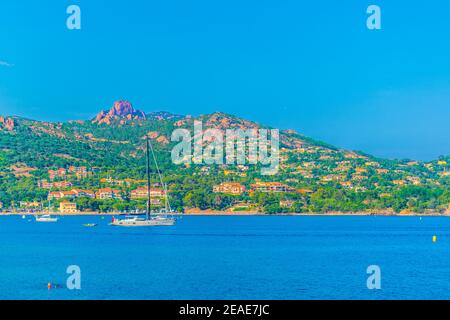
149	205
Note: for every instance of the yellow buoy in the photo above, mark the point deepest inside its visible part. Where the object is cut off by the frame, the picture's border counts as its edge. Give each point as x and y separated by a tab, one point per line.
434	238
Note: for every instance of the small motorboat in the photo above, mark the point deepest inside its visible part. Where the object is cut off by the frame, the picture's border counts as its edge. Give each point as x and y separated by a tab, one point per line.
90	225
46	218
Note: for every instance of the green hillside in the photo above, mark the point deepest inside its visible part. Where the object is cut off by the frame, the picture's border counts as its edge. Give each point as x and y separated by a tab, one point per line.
314	176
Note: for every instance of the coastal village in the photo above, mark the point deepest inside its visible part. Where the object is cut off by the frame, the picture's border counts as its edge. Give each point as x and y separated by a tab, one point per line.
65	191
96	167
62	186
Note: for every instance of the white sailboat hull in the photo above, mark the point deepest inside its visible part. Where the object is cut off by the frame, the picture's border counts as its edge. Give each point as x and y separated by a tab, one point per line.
143	223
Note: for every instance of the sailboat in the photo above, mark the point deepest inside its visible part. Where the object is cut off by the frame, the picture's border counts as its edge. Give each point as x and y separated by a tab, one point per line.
160	217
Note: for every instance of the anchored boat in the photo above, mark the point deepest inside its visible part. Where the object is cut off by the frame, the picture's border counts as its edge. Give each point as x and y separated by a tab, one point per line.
161	217
89	225
143	222
46	218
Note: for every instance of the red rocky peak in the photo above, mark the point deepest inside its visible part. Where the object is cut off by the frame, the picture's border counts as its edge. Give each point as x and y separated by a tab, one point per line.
123	109
120	109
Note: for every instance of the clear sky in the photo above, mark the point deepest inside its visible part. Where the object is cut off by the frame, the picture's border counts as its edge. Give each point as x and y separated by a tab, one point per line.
312	66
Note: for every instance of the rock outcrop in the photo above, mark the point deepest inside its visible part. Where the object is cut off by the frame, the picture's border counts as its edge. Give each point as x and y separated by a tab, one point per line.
121	110
7	124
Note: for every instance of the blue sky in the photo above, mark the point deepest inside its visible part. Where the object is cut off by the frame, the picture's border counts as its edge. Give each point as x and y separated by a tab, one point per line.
308	65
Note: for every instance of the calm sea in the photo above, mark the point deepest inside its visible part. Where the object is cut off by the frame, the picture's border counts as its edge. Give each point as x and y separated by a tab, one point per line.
228	258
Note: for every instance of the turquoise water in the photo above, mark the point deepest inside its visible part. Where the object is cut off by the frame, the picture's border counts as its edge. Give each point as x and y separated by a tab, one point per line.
228	258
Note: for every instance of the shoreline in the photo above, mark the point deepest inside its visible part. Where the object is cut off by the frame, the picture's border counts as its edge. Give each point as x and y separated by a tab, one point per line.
242	214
